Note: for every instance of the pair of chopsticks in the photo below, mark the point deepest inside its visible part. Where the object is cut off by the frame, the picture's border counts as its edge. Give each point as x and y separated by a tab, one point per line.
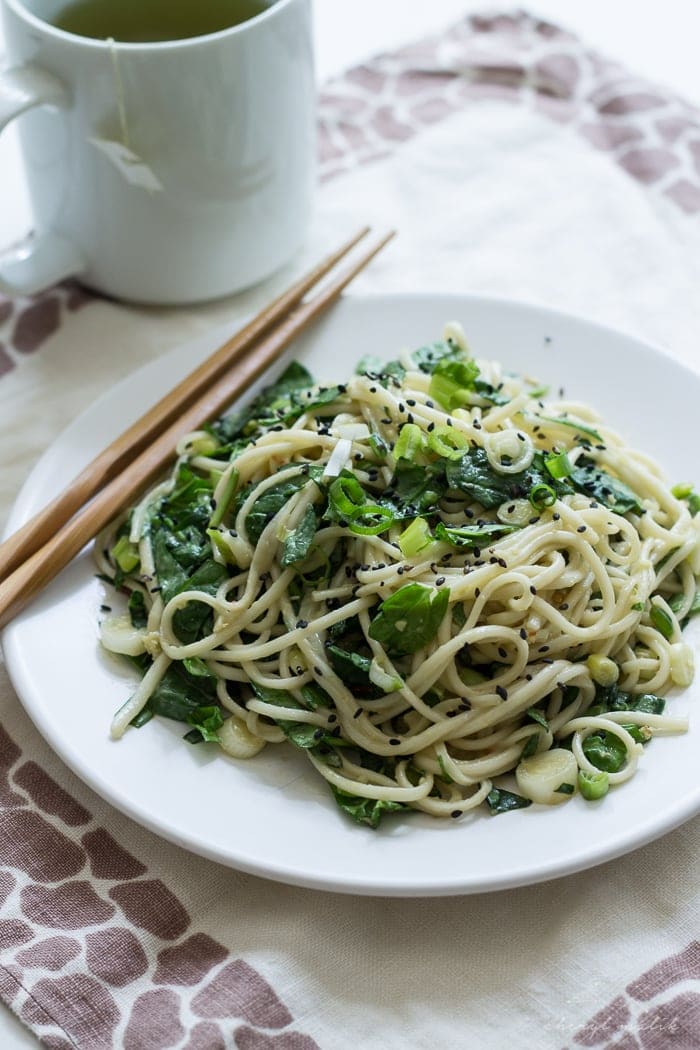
37	552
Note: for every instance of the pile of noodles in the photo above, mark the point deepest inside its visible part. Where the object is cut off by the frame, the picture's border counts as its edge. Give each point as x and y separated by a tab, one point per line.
574	586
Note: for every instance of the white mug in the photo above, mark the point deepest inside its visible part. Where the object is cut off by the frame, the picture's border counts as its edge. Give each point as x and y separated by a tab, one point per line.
170	172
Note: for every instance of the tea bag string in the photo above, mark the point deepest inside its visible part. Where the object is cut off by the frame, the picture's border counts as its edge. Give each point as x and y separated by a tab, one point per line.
119	92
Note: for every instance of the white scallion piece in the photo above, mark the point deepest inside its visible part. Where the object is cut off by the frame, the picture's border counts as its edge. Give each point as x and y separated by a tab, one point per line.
352	431
541	776
338	458
237	741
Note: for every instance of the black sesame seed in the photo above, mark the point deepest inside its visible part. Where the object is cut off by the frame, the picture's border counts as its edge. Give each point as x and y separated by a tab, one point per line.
394	742
503	693
440	580
301	624
456	813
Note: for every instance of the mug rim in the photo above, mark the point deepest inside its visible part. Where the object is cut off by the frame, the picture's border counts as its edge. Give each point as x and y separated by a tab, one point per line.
20	9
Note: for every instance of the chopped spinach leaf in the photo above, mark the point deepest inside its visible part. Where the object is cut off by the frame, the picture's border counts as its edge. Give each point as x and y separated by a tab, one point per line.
365	810
271	502
207	721
601	486
605	751
298	543
501	801
409	619
137	610
473	535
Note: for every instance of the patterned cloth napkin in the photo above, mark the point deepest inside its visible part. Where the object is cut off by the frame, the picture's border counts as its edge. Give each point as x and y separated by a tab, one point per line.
513	161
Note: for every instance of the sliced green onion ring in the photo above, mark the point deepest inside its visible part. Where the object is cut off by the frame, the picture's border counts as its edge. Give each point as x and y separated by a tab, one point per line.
409	443
542	496
447	442
363	527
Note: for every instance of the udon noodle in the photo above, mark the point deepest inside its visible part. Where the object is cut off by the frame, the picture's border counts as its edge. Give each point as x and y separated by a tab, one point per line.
428	578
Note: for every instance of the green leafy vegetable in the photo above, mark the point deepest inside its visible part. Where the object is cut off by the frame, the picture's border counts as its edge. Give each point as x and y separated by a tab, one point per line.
271	502
277	402
352	667
605	751
537	716
501	801
582	428
609	491
473	474
179	694
409	619
137	609
473	535
298	543
207	721
365	810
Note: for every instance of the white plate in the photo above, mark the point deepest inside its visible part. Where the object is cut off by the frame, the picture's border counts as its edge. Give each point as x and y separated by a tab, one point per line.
272	816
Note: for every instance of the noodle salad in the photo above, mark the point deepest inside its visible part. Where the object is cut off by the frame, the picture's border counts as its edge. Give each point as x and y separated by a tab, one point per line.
446	588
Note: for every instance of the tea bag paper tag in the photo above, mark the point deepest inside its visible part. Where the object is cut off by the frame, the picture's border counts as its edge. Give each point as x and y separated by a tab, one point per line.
128	164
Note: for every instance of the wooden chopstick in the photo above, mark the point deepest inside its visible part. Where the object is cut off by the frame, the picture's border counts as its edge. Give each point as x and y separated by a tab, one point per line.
69	537
109	463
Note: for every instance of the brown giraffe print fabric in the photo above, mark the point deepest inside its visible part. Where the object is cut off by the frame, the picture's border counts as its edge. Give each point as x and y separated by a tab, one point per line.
109	938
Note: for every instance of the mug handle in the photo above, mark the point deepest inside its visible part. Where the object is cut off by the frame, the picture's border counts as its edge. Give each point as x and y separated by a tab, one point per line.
39	261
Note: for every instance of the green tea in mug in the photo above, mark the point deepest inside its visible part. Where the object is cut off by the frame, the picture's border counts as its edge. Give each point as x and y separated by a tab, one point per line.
148	21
